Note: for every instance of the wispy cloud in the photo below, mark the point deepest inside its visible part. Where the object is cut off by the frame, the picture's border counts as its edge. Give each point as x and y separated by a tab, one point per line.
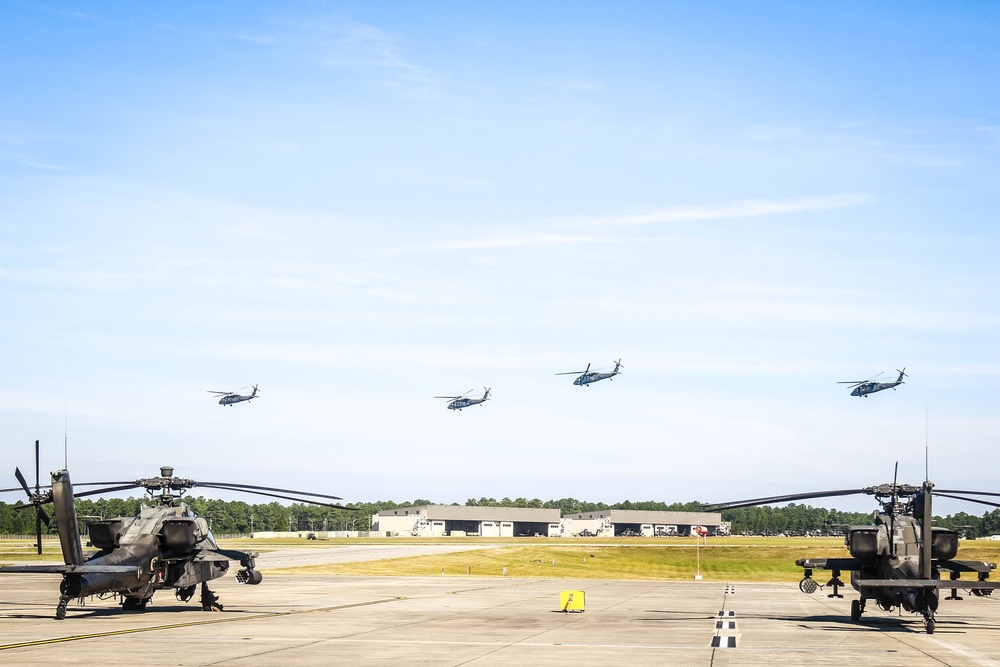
499	243
341	43
754	208
44	166
577	83
751	208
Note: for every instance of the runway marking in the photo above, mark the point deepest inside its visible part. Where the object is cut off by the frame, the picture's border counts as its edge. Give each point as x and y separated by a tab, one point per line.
650	647
724	641
172	626
968	653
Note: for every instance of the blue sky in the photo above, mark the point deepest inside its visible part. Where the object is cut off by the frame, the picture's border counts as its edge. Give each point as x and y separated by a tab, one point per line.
359	207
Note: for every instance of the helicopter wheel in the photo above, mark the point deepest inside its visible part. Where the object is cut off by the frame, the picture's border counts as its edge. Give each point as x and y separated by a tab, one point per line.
856	610
61	608
930	626
209	600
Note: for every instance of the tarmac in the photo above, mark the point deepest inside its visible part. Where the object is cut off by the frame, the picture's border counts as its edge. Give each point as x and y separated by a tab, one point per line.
302	620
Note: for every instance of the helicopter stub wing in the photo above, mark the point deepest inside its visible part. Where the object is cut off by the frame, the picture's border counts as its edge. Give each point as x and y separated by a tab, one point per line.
842	564
979	566
219	555
70	569
924	583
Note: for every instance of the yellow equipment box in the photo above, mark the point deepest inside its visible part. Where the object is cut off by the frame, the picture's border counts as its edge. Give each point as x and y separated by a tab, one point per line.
571	601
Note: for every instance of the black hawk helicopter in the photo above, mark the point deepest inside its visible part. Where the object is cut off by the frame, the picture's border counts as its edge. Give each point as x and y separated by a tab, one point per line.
865	387
230	397
459	402
588	376
165	546
891	561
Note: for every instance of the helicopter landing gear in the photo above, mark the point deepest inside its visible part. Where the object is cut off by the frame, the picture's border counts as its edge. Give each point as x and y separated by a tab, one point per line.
184	594
209	600
857	608
61	607
836	583
929	623
134	604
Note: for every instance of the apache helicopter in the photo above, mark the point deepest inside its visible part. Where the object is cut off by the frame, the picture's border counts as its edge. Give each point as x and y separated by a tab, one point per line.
166	546
865	387
230	397
891	561
589	376
459	402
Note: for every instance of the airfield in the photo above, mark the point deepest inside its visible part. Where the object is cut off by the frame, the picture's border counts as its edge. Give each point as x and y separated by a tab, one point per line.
304	619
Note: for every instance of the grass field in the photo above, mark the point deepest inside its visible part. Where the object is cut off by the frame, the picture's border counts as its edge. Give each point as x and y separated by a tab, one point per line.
724	559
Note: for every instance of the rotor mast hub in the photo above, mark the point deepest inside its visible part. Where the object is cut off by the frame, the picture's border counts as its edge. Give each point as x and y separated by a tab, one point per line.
162	488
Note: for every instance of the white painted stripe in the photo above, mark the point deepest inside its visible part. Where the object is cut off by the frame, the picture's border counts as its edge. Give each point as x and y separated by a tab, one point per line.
965	652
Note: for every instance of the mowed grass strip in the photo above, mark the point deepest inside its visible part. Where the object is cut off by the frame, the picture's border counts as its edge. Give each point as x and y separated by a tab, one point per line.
721	563
768	562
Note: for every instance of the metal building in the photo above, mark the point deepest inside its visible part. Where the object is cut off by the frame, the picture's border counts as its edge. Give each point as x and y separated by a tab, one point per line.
607	523
459	520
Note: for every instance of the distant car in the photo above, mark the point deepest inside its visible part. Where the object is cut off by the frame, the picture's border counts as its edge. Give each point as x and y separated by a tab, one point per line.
586	533
311	536
628	533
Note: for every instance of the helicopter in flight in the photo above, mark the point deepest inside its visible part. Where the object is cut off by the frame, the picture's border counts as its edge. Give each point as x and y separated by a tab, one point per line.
165	546
899	560
230	397
588	376
865	387
459	402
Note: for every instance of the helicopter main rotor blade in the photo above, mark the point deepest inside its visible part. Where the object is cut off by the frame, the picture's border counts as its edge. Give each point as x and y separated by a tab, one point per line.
109	489
572	373
852	382
119	482
265	488
971	493
782	499
276	495
968	500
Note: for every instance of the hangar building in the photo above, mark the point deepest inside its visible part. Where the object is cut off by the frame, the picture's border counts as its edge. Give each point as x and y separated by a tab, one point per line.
468	520
605	523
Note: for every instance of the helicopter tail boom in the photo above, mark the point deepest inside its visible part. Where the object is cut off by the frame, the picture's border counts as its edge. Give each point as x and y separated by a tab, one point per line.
69	534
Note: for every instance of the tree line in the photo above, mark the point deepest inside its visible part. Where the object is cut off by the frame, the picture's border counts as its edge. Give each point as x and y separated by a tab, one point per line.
238	517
